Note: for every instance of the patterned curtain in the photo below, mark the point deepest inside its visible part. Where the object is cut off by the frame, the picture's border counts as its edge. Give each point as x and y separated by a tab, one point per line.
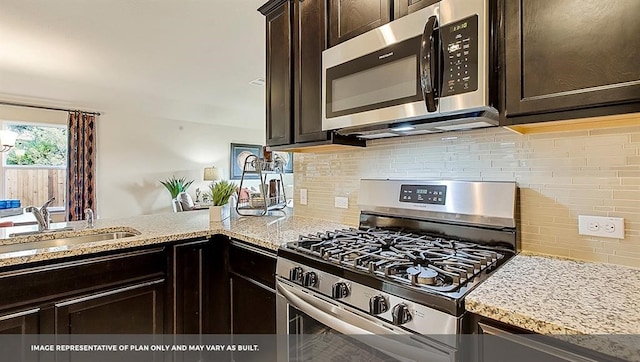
81	175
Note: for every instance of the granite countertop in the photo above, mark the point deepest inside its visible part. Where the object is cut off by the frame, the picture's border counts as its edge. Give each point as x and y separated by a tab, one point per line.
268	232
592	304
595	305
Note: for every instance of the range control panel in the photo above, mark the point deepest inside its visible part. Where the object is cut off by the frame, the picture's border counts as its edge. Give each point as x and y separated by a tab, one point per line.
423	194
460	44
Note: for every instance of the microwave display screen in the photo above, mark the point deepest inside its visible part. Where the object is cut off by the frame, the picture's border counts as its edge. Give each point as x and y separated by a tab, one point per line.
458	27
385	82
423	194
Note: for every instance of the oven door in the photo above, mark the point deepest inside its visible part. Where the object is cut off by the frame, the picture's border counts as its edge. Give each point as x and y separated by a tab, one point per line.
316	325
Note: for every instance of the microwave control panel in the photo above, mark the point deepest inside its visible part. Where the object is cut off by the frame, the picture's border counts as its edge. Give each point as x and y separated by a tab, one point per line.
423	194
460	45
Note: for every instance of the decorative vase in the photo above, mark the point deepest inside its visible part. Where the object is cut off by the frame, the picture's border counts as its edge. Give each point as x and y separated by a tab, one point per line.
219	213
175	205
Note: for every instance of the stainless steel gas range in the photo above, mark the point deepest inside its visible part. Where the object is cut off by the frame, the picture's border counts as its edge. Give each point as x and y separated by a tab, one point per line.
396	285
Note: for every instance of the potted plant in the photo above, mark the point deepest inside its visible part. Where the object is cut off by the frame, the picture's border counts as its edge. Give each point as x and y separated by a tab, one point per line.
221	192
175	186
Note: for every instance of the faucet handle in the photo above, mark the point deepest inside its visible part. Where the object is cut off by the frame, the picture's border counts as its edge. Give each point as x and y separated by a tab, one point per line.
88	214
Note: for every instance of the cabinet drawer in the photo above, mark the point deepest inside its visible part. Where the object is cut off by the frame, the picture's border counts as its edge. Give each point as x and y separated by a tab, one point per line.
253	263
54	281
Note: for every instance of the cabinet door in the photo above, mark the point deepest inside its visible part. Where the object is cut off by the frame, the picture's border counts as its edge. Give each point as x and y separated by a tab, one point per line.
497	344
253	263
18	324
279	76
134	309
21	322
405	7
252	281
253	307
350	18
190	295
570	54
309	40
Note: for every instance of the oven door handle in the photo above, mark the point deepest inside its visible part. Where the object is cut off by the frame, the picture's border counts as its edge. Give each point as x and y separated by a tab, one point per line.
343	321
428	64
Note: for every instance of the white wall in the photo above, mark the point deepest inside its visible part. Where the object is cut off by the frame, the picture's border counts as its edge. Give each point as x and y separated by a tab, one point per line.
135	153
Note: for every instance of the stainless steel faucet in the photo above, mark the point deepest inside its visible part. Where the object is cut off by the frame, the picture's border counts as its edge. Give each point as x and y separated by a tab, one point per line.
88	214
42	214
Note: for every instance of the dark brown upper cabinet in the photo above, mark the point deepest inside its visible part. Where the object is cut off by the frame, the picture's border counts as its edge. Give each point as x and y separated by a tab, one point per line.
278	75
309	40
350	18
296	36
570	59
405	7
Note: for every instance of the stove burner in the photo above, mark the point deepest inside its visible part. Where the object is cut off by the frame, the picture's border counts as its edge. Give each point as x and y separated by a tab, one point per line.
389	254
415	259
420	275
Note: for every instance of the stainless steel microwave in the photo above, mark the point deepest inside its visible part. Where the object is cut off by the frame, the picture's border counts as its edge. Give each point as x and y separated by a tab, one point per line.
429	71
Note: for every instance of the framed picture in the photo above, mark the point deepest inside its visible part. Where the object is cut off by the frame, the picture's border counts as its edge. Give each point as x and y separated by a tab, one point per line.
239	153
287	158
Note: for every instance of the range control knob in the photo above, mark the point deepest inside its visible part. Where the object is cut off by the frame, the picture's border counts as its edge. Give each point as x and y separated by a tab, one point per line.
295	275
378	305
340	290
400	314
311	279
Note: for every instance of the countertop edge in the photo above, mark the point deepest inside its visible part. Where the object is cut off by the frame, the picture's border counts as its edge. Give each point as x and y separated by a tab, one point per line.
39	255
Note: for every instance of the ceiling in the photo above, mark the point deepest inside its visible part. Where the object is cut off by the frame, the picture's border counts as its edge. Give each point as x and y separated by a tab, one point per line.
189	60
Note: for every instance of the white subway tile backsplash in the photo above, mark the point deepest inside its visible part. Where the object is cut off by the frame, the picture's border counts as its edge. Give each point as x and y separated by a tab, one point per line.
560	175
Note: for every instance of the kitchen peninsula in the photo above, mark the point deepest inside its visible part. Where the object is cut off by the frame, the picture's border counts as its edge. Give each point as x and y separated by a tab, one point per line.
501	298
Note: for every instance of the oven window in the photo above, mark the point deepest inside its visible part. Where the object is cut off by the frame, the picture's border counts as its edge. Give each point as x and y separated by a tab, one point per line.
310	340
380	84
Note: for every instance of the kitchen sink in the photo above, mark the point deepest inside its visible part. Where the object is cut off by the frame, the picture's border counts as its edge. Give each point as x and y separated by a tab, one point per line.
61	243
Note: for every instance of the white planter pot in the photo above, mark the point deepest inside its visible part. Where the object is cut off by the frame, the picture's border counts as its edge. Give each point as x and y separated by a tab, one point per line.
219	213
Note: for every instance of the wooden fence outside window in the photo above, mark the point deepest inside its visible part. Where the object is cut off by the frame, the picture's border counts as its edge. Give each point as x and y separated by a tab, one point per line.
34	186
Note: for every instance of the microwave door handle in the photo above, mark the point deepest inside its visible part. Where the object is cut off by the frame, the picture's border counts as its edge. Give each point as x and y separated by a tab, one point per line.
427	64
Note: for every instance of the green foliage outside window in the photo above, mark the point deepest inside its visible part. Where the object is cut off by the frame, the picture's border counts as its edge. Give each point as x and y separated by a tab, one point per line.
38	146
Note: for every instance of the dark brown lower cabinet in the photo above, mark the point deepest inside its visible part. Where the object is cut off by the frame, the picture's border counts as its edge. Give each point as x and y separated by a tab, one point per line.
252	289
117	293
18	323
502	342
253	307
131	309
191	265
21	322
252	297
191	287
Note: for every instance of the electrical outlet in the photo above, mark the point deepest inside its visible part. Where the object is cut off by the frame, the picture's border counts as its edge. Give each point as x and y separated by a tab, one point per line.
303	196
341	202
606	227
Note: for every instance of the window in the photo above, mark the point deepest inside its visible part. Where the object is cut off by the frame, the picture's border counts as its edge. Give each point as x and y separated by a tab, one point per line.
36	168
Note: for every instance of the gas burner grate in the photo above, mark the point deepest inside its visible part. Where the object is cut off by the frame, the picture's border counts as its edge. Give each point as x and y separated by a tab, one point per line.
414	259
